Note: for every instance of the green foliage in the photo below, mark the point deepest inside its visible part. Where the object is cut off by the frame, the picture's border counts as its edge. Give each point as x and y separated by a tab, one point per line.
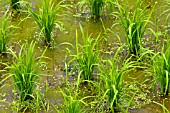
167	6
96	6
162	69
86	55
165	110
134	23
15	4
25	71
70	103
35	105
5	33
46	19
112	75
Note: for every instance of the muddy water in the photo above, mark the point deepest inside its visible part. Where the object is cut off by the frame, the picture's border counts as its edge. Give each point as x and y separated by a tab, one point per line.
28	31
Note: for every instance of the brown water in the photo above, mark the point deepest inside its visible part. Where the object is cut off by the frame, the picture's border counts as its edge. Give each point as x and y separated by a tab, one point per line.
28	31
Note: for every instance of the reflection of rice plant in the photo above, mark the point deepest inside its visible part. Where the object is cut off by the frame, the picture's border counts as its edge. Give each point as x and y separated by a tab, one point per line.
112	76
15	4
25	71
46	19
162	70
134	24
96	6
86	55
5	33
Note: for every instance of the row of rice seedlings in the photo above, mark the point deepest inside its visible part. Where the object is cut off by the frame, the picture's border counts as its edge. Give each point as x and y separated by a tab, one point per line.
86	55
14	4
5	33
96	6
134	24
88	48
161	64
85	59
46	18
25	70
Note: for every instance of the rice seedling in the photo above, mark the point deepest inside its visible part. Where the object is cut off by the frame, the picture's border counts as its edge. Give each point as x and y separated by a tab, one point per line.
15	4
167	15
165	110
46	19
86	56
5	33
161	65
25	71
71	102
112	77
134	24
167	11
36	105
96	6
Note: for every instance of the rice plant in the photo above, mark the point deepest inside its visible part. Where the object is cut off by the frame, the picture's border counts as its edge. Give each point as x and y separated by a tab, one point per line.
71	101
15	4
134	24
112	76
86	55
167	11
162	70
96	6
165	110
5	33
25	71
46	19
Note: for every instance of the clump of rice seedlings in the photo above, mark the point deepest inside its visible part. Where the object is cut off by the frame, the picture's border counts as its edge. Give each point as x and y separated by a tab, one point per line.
46	19
25	70
36	105
86	55
134	23
15	4
70	103
161	64
96	6
112	76
5	33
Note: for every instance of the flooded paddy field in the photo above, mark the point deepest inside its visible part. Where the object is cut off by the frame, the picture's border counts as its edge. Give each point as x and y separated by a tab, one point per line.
91	56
